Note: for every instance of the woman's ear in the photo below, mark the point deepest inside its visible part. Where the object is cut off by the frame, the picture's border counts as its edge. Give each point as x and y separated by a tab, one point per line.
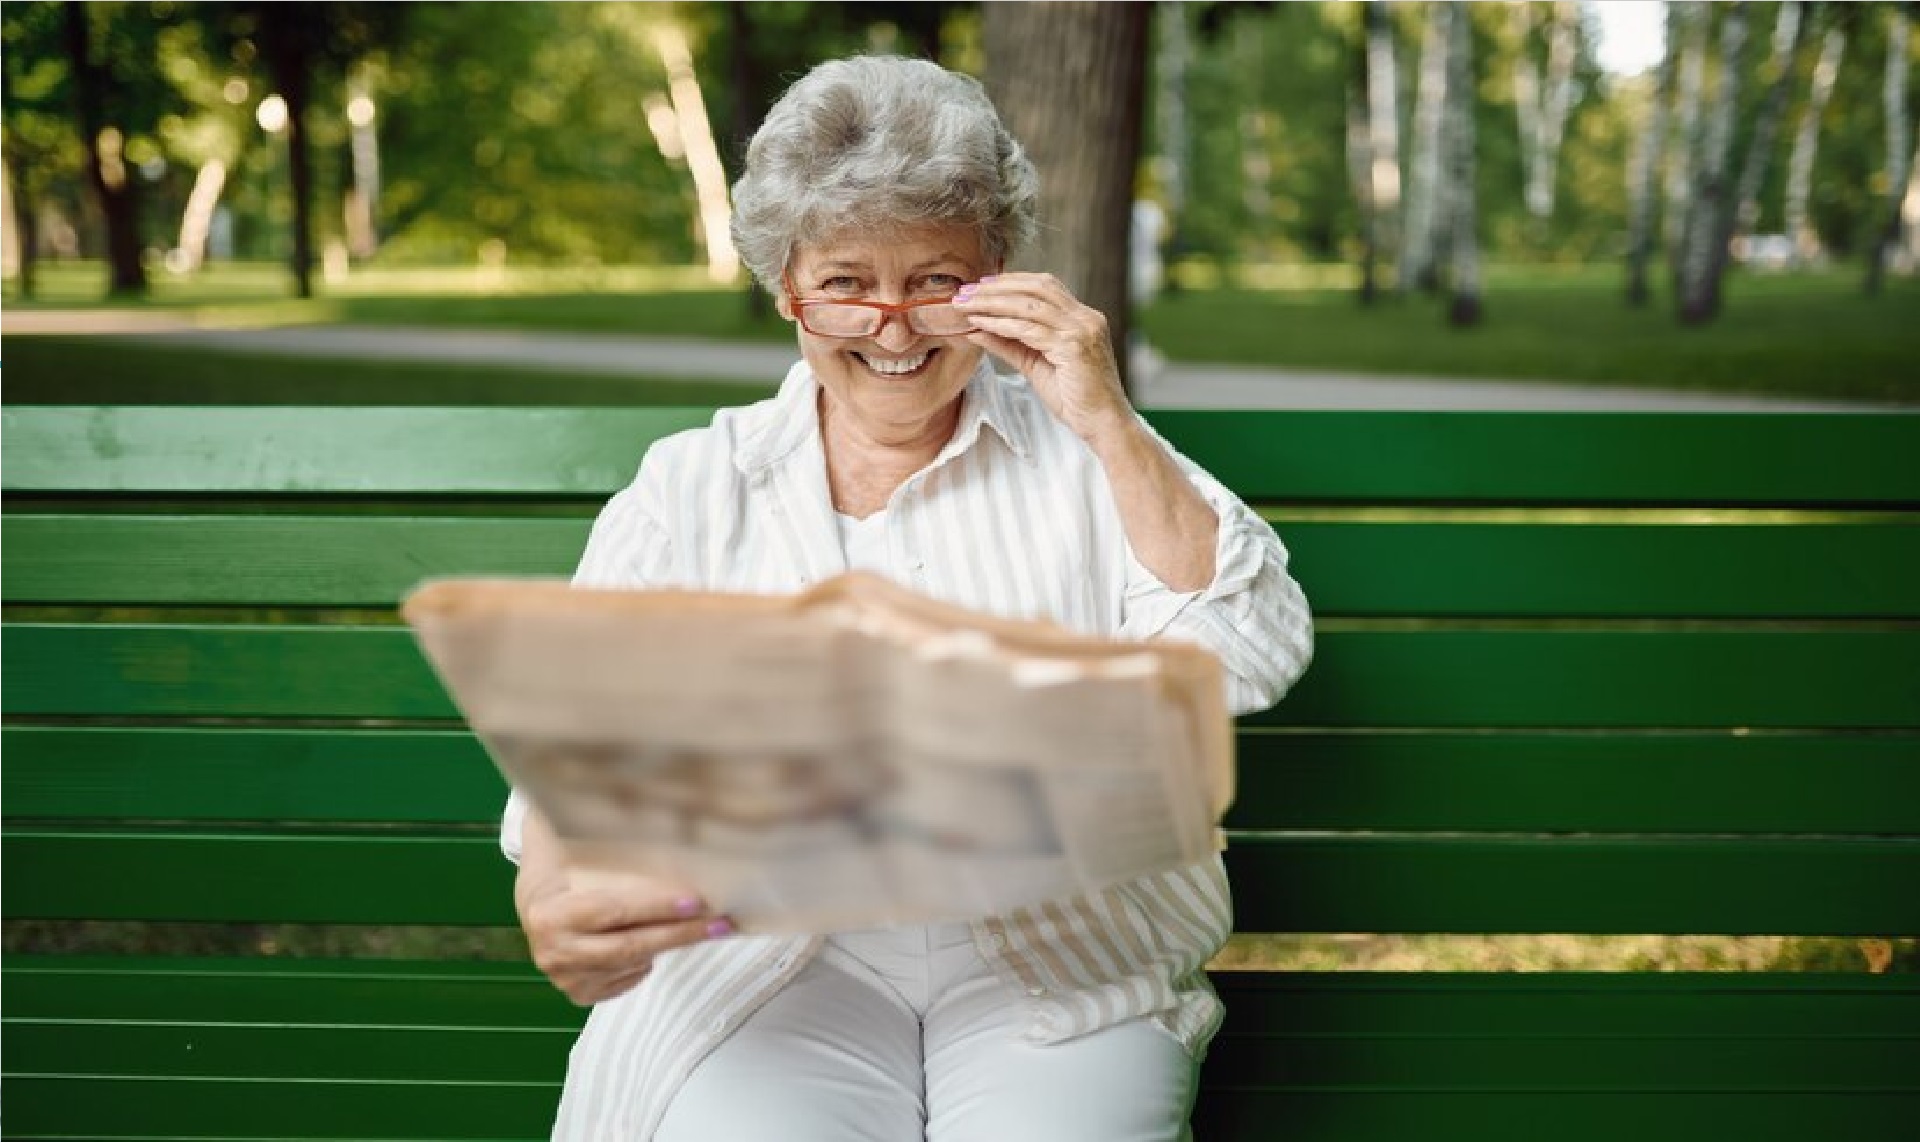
782	306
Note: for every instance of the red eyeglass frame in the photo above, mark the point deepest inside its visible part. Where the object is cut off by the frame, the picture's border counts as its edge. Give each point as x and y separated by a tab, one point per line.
886	308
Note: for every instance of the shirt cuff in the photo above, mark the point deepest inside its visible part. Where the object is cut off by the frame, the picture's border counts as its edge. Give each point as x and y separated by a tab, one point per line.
1238	555
513	823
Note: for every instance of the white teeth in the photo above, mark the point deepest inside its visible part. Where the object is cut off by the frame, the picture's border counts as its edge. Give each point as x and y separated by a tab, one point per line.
895	368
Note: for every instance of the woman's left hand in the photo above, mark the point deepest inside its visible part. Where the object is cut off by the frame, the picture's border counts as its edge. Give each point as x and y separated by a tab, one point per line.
1033	323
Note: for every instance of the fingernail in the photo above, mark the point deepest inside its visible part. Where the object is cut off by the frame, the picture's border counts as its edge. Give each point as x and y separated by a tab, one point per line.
719	928
687	907
990	278
965	292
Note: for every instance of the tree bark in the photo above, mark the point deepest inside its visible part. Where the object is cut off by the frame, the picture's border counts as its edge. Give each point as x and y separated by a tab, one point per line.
1418	257
1383	140
1543	107
1464	307
1753	170
1069	80
26	226
1806	142
1646	164
1693	19
1701	264
113	189
1883	238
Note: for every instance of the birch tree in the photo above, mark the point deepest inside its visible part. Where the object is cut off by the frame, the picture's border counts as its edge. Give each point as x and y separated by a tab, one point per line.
1701	263
1070	81
1418	250
1543	107
1760	145
1380	152
1462	196
1882	239
1806	143
1693	18
1645	165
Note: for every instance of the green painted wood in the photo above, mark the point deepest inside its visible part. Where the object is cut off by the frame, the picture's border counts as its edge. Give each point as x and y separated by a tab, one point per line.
1504	1115
1623	884
526	451
1572	1059
1708	782
1732	458
1450	781
176	774
111	1109
270	560
1432	678
385	993
257	877
1814	569
1282	883
1585	457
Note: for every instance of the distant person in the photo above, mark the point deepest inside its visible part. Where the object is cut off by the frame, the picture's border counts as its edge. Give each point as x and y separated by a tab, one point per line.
880	203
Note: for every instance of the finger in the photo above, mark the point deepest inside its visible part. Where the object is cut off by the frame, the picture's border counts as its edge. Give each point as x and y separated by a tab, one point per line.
610	909
1021	357
622	953
1042	337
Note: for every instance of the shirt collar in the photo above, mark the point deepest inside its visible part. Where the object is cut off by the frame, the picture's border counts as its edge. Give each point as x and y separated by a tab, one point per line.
793	419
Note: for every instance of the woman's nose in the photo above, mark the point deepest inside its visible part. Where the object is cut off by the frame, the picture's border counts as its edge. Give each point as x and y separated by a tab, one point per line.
894	333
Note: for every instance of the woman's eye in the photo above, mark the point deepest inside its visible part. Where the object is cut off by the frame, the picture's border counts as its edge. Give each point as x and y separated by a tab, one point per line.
941	283
841	284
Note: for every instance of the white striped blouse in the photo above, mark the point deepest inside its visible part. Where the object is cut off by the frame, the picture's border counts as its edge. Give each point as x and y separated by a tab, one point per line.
1017	521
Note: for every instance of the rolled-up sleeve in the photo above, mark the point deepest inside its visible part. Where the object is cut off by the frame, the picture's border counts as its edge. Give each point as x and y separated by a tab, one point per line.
628	547
1253	615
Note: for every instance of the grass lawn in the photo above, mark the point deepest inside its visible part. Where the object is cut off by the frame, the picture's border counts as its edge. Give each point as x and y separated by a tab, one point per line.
1804	335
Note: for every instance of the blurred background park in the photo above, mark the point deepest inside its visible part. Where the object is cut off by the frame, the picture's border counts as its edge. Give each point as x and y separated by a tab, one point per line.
267	202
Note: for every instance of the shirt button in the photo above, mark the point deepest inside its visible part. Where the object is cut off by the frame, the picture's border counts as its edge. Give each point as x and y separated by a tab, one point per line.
997	942
1036	992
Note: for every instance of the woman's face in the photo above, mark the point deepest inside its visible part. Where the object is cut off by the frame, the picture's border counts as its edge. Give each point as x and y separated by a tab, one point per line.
895	385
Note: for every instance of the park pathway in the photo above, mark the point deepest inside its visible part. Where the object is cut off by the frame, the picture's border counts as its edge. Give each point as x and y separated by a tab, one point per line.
1164	384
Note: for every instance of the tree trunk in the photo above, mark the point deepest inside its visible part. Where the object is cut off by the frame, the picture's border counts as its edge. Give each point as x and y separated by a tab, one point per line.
1418	258
1753	171
107	174
1462	195
1806	142
1383	137
296	90
1701	263
1069	80
1360	169
1693	18
1646	162
1543	108
1883	238
22	204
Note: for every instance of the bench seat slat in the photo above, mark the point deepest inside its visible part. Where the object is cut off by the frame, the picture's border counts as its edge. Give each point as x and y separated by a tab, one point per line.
1814	569
1352	883
1693	458
1409	781
1429	678
1570	1059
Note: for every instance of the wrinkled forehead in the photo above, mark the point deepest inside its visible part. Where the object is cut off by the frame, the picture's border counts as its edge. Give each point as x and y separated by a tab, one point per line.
900	248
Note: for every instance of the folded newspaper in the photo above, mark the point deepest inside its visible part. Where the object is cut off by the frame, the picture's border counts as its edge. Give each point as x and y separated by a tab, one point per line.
852	756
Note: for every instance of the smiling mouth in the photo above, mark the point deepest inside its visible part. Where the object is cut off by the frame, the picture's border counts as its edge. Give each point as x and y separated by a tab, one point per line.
897	366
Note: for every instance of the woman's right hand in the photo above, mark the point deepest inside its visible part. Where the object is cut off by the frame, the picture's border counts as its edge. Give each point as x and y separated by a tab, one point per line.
595	932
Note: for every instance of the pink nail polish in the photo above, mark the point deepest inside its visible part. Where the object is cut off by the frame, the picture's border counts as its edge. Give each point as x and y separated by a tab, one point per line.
687	907
719	928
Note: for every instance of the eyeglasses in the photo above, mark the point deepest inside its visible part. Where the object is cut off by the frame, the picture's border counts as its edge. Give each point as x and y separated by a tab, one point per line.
934	316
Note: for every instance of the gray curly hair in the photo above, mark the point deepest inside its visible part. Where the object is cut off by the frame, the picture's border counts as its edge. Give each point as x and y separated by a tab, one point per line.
880	143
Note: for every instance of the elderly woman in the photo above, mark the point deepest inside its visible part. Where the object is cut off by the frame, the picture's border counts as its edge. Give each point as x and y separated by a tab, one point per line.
880	203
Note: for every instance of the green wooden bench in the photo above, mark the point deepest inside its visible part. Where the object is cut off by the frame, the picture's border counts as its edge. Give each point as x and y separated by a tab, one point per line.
1576	674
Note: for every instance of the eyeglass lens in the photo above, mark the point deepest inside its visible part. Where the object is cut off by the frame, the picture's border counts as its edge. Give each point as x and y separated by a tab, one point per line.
835	320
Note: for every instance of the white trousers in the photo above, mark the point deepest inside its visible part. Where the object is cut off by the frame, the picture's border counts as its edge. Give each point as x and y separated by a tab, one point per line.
905	1034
